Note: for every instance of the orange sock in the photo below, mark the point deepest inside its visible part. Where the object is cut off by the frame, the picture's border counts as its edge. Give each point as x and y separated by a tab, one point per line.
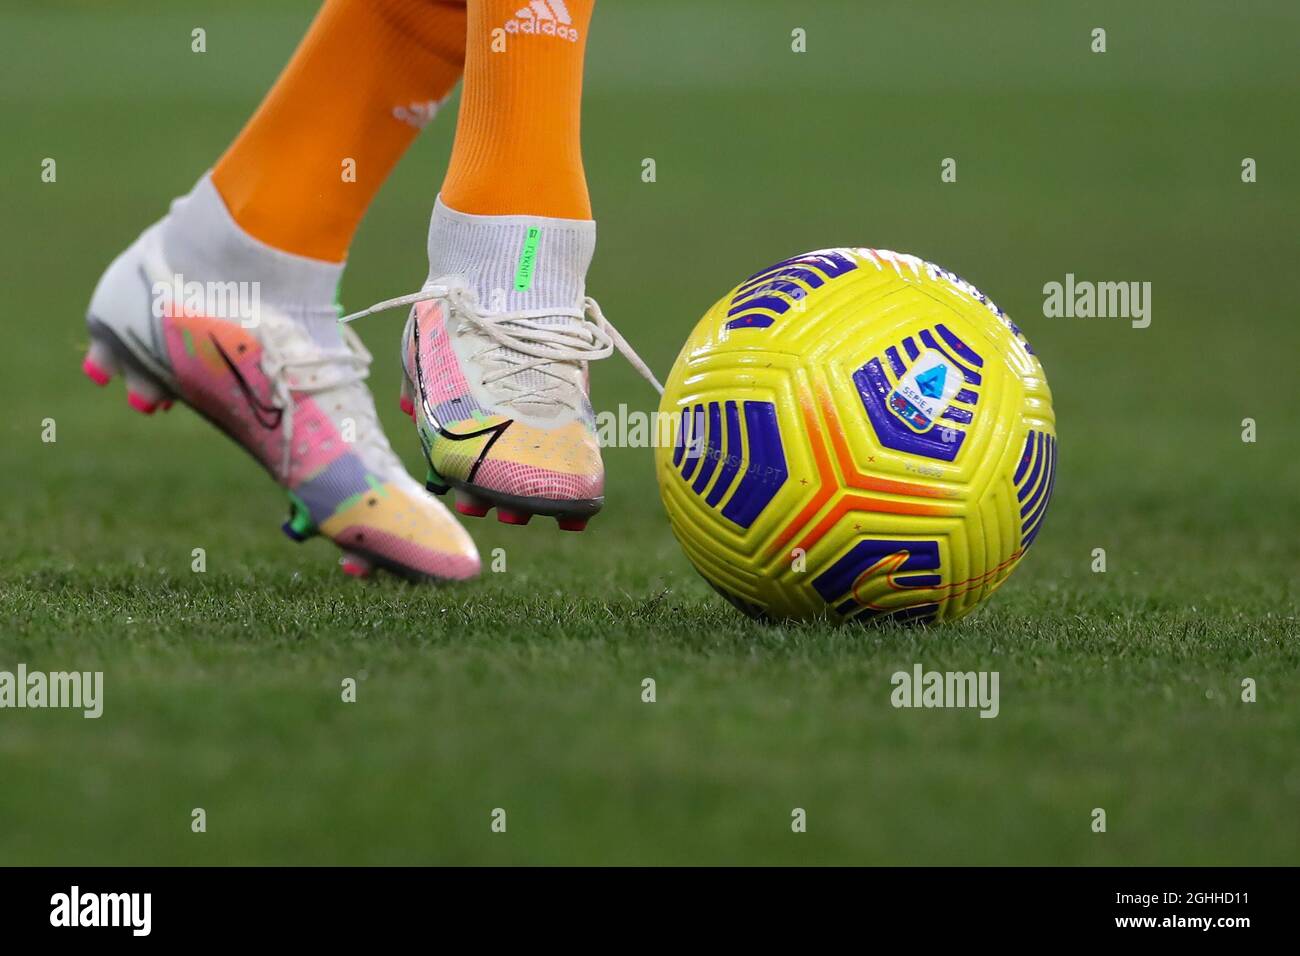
363	81
518	149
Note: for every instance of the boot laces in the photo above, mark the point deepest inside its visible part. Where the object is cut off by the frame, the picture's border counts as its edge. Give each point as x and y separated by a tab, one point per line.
298	370
548	341
292	366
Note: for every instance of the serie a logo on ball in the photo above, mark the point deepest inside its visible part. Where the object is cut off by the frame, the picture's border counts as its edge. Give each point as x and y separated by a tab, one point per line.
862	435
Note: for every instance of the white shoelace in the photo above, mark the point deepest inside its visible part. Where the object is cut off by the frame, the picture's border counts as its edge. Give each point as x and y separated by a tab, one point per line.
589	337
291	374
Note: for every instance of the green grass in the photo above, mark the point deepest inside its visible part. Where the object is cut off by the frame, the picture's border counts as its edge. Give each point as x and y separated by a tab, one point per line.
1118	690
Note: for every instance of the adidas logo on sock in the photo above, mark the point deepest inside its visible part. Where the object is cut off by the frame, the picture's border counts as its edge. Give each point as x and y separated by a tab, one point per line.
418	115
545	17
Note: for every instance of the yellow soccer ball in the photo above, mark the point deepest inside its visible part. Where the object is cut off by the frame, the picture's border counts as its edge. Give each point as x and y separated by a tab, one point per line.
859	434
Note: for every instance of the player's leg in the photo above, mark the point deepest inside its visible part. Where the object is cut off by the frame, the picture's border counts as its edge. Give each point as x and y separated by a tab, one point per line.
228	303
497	353
518	148
367	76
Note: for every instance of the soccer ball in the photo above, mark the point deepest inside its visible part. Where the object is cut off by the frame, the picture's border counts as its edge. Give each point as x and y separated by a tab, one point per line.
859	434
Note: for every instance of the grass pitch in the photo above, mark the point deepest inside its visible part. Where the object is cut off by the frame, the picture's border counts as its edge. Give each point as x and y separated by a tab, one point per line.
1119	690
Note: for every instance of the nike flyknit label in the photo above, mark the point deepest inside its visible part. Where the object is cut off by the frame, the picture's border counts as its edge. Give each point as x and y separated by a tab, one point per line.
527	259
921	395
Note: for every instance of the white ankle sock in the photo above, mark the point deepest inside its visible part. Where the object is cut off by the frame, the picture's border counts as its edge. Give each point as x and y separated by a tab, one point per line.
513	262
202	242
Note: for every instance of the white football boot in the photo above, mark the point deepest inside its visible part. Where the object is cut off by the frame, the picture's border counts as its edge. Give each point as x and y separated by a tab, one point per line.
495	354
198	310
